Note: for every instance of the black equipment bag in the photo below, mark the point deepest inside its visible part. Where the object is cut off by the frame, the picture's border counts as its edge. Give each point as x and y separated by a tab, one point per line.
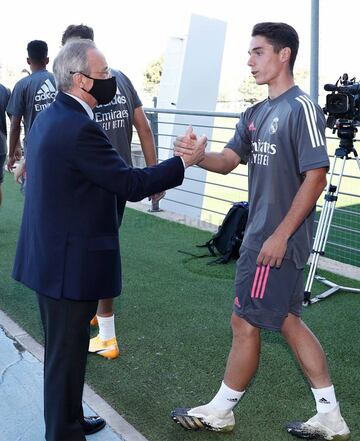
228	238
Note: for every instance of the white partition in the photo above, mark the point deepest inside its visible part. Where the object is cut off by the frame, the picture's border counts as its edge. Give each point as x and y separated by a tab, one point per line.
190	81
169	92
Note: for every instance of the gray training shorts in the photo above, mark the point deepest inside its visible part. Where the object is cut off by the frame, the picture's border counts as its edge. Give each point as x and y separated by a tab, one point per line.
263	295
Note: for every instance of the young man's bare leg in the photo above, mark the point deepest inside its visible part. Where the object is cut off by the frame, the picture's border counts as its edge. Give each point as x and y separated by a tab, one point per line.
105	343
307	350
241	367
105	308
244	354
328	421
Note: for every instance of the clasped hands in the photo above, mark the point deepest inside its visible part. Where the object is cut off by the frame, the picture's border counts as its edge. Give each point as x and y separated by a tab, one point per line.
191	149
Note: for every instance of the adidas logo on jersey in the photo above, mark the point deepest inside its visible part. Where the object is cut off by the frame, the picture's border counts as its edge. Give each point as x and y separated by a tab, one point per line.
46	92
251	127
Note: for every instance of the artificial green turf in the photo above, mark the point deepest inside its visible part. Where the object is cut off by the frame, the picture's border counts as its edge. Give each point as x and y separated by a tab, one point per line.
173	328
344	232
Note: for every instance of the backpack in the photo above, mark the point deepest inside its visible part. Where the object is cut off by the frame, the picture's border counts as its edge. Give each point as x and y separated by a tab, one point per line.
228	238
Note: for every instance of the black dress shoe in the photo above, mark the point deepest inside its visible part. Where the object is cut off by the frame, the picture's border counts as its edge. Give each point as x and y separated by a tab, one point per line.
92	424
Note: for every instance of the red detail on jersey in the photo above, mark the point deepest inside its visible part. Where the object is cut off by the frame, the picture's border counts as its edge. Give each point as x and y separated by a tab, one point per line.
251	127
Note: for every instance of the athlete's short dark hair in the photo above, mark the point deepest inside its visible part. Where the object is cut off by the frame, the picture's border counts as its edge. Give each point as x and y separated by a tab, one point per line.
77	31
37	50
279	35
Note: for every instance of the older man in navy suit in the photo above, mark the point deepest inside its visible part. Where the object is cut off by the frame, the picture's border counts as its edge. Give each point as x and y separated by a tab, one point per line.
68	248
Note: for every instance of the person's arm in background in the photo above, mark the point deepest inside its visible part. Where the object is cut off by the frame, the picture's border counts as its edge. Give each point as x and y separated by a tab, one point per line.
146	137
14	142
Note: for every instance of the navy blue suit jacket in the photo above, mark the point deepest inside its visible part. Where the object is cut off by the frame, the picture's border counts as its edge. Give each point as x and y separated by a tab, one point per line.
68	244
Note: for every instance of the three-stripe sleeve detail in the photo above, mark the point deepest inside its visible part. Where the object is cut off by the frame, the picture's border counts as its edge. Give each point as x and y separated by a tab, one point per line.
315	134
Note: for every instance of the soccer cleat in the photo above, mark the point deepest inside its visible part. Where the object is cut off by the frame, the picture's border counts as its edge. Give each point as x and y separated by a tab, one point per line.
323	426
94	321
106	348
204	417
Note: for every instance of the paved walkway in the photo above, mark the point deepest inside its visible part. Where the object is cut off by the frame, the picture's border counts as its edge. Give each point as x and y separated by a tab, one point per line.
21	389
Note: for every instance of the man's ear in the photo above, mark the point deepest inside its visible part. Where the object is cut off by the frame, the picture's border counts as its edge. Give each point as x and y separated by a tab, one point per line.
285	54
78	80
28	60
46	60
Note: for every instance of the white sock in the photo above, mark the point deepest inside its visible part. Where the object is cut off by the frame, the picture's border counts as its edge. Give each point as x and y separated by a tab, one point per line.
226	398
325	399
106	327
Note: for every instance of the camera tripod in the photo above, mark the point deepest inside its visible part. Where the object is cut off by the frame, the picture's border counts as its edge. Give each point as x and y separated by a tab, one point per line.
346	133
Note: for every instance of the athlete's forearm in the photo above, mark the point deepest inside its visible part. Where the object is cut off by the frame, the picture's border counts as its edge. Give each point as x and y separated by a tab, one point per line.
148	148
14	138
146	137
303	203
222	162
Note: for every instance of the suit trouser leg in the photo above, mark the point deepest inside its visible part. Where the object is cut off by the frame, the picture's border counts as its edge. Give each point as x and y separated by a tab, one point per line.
67	331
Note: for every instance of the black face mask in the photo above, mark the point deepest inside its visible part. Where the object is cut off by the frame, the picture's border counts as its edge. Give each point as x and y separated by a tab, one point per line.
103	90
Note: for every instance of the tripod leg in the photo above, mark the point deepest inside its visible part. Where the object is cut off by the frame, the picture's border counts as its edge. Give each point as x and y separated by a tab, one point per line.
323	228
357	159
317	248
343	151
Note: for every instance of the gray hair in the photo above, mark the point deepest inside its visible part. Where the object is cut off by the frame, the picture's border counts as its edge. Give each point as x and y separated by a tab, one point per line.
71	58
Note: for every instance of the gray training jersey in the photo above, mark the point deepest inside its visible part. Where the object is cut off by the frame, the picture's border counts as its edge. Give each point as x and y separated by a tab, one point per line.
280	139
31	95
117	117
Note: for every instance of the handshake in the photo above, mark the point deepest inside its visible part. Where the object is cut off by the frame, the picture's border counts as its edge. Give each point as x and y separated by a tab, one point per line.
191	149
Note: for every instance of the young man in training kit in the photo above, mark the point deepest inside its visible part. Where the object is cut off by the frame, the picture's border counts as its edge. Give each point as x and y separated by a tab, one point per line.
30	96
282	139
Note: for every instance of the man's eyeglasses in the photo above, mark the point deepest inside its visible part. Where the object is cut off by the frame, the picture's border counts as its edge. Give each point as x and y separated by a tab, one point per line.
106	72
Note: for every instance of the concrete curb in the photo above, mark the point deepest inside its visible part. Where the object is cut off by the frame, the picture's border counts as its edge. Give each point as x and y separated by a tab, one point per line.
118	424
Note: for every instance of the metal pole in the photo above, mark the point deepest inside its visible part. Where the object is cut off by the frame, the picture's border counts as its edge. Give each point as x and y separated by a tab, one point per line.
155	206
155	127
314	57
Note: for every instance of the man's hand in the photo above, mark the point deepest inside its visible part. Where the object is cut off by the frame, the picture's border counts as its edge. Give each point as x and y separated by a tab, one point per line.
190	148
185	144
10	163
15	156
20	171
157	196
273	251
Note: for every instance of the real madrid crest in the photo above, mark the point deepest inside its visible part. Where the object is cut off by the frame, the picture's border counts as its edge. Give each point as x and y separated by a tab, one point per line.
274	125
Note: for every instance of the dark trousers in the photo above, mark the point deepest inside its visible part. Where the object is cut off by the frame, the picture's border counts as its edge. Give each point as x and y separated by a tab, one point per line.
67	331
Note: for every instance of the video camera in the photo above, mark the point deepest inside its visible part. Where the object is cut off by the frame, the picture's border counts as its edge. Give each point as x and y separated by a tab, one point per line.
343	103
